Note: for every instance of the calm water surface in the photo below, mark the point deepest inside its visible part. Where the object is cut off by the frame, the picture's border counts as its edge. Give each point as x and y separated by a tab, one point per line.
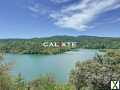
32	66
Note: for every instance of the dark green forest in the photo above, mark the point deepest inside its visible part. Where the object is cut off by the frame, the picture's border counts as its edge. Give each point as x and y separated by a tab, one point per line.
33	46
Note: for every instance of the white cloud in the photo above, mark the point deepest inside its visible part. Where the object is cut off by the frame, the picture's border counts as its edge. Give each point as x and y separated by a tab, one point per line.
78	16
59	1
117	20
38	9
34	8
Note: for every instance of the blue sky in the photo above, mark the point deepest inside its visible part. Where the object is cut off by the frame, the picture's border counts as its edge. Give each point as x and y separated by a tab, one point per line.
41	18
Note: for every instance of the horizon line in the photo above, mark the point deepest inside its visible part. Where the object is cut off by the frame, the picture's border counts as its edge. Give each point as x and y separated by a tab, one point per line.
61	36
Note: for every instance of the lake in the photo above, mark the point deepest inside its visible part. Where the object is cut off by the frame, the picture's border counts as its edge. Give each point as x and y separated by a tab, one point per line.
60	65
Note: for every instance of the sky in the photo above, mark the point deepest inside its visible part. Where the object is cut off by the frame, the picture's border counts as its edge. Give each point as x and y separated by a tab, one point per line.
43	18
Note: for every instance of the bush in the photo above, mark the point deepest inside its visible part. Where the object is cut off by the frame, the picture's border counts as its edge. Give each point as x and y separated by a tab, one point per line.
96	74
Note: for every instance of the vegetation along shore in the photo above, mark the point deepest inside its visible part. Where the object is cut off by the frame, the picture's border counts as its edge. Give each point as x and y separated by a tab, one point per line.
33	46
95	74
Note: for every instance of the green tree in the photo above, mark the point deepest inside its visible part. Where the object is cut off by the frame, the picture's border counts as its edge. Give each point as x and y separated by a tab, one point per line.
20	83
96	74
5	79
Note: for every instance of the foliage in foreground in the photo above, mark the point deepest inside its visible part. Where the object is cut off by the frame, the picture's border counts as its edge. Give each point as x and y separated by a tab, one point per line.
98	73
46	82
94	74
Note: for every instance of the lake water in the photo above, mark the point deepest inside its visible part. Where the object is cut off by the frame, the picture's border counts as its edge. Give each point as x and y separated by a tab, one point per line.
60	65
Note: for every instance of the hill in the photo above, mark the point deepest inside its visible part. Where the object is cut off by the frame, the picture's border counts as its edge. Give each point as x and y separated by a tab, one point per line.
33	46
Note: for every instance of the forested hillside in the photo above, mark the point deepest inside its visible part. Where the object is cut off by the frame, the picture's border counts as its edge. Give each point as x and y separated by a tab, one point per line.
33	46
